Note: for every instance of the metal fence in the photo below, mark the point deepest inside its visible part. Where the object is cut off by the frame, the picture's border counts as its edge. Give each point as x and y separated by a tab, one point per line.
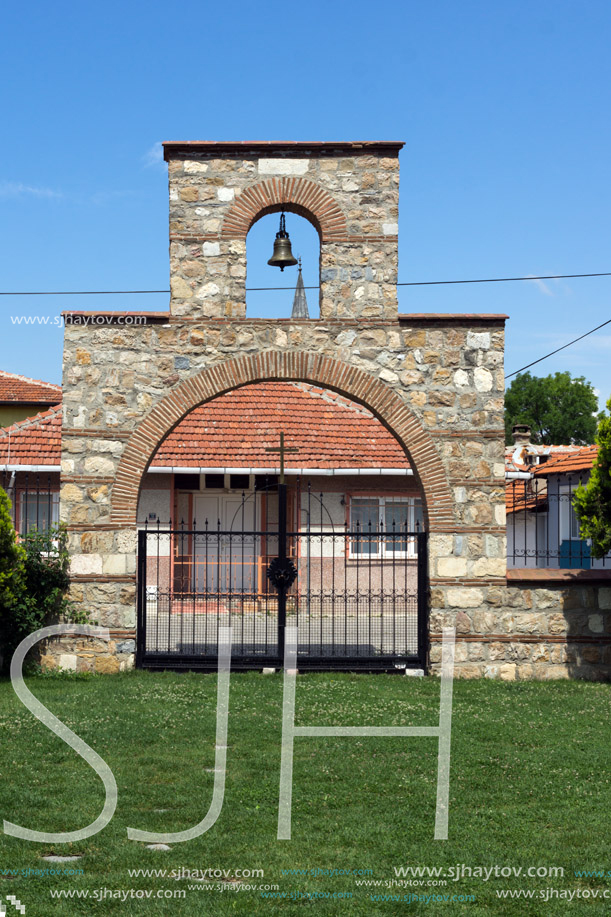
543	529
357	594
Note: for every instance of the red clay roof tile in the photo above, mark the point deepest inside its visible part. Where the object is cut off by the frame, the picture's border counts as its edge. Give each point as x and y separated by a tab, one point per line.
235	429
14	388
33	441
579	460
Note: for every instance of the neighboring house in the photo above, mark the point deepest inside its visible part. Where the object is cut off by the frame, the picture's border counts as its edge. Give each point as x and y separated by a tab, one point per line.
348	473
542	528
30	455
215	471
21	397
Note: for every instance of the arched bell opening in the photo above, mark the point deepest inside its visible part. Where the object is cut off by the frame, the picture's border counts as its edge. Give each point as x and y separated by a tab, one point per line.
299	283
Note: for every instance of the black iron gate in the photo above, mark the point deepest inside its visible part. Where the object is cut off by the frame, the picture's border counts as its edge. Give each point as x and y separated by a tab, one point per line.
357	593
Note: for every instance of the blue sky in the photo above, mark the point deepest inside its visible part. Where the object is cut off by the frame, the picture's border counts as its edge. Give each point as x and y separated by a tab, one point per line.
504	110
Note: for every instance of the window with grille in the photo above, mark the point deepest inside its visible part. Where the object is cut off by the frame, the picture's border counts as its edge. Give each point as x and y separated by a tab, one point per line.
384	527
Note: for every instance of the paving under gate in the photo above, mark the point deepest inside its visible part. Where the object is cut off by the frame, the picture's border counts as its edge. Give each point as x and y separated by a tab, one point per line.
357	593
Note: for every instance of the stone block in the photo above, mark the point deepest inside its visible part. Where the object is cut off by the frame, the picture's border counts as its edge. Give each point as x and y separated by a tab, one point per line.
552	672
604	598
465	597
484	622
126	542
477	651
482	379
114	564
497	651
468	670
547	598
528	623
489	566
48	662
283	166
451	567
86	564
540	653
70	493
67	662
525	672
106	665
126	646
596	624
478	340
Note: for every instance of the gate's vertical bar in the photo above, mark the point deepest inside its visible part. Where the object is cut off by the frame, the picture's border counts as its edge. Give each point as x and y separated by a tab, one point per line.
141	612
423	603
282	560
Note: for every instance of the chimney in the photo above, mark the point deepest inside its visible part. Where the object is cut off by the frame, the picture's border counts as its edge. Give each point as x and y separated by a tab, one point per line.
521	434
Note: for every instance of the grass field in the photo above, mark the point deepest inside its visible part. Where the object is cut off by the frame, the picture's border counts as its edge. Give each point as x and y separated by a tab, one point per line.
529	788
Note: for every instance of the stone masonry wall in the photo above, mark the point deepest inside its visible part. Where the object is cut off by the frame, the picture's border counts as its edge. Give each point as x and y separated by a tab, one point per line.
542	630
350	192
124	388
435	381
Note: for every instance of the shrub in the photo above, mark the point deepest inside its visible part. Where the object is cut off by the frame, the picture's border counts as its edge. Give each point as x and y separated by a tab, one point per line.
12	578
34	582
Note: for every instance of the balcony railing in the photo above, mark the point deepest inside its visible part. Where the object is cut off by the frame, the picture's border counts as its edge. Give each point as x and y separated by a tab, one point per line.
542	527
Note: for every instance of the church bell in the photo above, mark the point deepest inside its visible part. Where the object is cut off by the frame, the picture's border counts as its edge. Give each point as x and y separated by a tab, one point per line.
283	256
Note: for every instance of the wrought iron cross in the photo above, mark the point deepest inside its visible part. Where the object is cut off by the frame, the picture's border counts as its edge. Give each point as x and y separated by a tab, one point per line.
282	449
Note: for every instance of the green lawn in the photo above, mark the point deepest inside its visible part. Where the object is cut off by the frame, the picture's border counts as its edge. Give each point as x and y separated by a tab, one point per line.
529	787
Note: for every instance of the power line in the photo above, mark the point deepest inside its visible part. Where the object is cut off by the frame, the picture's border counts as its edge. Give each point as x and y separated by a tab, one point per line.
410	283
426	283
564	346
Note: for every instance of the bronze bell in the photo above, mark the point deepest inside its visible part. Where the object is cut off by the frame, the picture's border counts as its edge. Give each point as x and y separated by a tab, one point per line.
283	256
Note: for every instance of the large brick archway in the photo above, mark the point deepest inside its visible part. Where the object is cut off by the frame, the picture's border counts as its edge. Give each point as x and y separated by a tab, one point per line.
305	366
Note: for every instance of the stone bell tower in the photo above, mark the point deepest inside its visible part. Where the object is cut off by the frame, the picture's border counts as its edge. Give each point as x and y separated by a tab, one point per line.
348	191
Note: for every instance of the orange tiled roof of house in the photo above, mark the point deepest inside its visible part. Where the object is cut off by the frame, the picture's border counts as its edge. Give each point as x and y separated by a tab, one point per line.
235	429
580	459
519	496
22	389
33	441
519	456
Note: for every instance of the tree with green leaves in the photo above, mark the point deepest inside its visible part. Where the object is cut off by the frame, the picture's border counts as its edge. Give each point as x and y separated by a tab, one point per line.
559	410
592	503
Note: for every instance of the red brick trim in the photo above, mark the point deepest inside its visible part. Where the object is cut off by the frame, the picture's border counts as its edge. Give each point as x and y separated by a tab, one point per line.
277	366
299	195
542	575
102	578
566	639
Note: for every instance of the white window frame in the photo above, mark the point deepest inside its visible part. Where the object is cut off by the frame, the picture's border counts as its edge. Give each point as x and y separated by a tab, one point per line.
385	553
568	518
42	496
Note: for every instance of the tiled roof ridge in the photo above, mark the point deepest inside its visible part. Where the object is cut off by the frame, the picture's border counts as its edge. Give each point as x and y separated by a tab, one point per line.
50	385
327	394
32	421
567	458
